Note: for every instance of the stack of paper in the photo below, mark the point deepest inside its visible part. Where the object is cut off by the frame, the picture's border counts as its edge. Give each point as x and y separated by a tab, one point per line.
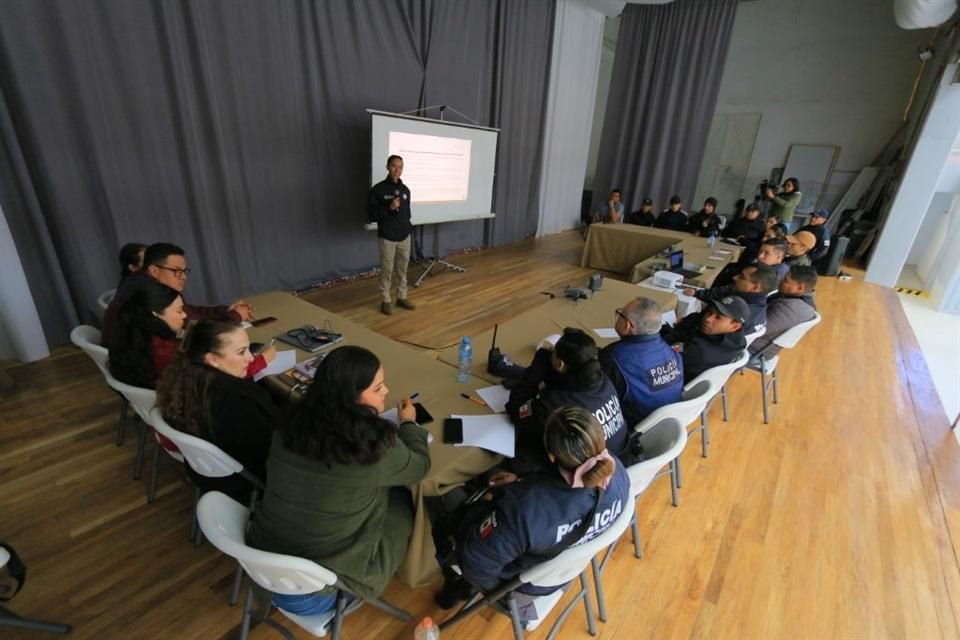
493	433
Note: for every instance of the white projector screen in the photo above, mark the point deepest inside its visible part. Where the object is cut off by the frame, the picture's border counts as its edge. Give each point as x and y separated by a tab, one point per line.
448	167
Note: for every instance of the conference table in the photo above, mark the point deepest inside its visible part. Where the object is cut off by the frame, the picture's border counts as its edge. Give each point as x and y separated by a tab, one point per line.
519	336
635	252
406	371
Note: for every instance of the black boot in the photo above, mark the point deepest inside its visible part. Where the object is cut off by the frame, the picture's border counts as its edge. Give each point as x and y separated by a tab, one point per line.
455	589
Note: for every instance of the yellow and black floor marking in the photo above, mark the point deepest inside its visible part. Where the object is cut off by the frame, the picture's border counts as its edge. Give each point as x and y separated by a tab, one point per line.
912	292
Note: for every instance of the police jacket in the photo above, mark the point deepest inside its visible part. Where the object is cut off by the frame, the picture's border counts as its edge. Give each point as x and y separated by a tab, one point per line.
675	220
646	373
700	351
697	221
756	300
642	218
528	517
391	225
822	234
529	406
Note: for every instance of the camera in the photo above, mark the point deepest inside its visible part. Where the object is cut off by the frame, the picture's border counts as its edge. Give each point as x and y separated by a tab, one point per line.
768	184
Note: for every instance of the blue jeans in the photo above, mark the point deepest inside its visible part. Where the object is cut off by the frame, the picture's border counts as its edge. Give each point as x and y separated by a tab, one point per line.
306	604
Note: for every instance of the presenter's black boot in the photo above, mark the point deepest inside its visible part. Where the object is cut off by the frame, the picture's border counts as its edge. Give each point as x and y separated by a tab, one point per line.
403	303
386	309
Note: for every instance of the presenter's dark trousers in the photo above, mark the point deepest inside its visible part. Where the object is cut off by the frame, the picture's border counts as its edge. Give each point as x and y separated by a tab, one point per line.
394	258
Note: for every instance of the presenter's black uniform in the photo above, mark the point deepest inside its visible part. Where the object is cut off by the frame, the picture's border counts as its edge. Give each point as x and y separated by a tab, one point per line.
393	234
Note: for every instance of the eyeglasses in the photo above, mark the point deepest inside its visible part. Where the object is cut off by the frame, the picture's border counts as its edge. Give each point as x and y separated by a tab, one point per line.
619	312
177	273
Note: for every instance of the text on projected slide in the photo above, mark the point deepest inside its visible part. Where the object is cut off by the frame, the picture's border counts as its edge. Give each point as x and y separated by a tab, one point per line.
436	169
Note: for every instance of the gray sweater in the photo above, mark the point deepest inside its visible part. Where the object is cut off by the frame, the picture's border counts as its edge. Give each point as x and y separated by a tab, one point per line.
783	312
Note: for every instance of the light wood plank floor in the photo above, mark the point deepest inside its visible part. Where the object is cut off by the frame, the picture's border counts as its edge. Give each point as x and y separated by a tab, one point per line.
839	519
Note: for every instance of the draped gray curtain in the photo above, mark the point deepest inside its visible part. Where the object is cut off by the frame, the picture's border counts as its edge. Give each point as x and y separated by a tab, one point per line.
663	92
237	129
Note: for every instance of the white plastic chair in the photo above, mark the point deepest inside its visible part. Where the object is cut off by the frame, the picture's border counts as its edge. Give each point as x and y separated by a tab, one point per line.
10	620
719	375
662	444
558	571
752	337
695	399
224	522
766	366
208	460
89	340
105	299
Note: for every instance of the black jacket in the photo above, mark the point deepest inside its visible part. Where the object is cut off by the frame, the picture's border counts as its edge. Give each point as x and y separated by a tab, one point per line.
391	225
704	224
675	220
700	351
644	219
822	234
748	233
756	300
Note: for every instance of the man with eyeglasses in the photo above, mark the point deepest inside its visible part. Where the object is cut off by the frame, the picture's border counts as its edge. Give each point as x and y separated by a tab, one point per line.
167	264
645	371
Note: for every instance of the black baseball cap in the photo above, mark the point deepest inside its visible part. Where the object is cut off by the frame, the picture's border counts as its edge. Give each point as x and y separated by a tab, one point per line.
821	213
733	307
646	201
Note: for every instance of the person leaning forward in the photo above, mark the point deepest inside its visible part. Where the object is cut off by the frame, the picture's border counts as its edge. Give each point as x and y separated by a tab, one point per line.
389	206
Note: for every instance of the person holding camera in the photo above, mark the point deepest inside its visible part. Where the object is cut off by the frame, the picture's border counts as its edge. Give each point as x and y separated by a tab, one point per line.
784	204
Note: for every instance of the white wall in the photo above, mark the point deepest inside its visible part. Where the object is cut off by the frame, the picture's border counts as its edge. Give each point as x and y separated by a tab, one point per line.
936	212
835	72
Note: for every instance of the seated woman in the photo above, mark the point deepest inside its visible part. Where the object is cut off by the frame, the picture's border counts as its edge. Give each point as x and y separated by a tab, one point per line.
145	336
523	523
570	375
204	392
337	477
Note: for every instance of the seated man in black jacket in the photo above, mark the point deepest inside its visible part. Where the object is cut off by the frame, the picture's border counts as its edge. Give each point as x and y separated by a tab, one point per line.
645	217
710	338
752	284
706	222
674	218
747	230
817	226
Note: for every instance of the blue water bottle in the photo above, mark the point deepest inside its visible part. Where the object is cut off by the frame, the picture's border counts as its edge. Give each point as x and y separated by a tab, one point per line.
464	360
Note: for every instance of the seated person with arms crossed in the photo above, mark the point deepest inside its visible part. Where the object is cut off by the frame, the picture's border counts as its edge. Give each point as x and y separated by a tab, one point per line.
747	230
148	323
204	392
645	217
337	479
752	285
167	264
706	222
790	306
711	337
674	218
520	523
644	370
570	375
799	246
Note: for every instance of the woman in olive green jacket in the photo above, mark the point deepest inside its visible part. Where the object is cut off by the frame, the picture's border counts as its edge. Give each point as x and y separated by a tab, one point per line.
337	476
785	203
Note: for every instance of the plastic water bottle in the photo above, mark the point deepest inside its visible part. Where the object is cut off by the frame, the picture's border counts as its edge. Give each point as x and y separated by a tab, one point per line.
464	360
427	630
712	240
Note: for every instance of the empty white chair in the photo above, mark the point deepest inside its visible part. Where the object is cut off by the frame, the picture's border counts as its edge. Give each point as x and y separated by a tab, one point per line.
224	522
89	340
695	399
719	375
766	365
565	567
208	460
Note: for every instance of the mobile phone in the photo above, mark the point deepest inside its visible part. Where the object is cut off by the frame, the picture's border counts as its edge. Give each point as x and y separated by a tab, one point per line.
453	431
259	322
423	416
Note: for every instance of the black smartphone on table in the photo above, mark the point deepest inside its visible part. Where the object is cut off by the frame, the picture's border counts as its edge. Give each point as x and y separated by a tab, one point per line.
453	431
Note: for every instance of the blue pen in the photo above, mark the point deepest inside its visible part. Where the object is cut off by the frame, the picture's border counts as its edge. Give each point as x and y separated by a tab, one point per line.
413	396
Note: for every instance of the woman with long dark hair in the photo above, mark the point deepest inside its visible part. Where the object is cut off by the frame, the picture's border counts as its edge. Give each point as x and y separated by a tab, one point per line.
205	392
567	374
337	477
131	259
145	335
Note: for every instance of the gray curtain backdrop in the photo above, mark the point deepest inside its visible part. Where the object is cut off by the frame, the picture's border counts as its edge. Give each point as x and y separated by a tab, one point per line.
237	129
663	92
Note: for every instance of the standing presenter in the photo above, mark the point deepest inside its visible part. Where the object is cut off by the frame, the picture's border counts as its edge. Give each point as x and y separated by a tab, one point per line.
389	207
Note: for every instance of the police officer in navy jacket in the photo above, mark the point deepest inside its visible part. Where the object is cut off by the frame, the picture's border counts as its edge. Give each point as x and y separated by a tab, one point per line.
570	375
753	284
644	370
523	523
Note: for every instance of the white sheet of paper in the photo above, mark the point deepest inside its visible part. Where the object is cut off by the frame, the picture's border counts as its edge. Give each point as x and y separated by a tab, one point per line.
496	397
723	252
721	258
606	332
284	361
245	325
493	433
669	317
393	415
550	339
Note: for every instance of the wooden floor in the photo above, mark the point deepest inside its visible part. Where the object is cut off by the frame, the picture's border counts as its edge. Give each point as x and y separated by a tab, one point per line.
841	519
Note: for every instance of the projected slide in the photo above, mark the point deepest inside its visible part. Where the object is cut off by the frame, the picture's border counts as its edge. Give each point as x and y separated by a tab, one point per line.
437	169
